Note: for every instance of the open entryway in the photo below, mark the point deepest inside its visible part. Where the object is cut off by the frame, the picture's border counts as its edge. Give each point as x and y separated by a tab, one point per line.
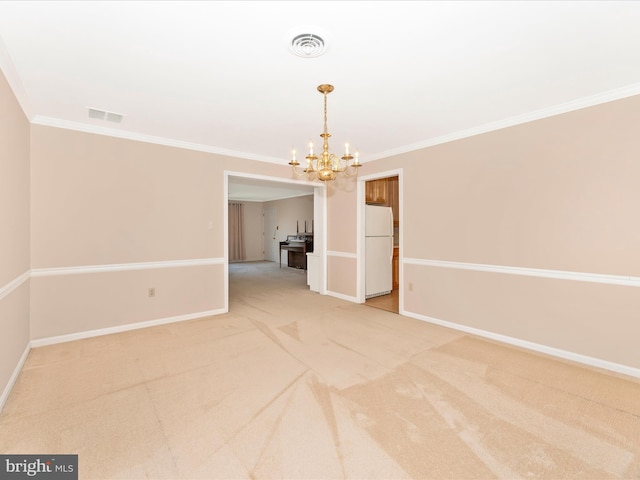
275	211
380	240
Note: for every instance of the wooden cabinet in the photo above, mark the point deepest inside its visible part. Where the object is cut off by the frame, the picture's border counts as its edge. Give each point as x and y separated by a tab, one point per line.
384	191
393	199
395	269
377	191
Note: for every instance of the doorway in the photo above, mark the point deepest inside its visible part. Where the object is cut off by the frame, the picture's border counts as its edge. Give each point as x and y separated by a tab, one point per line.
270	234
259	188
382	190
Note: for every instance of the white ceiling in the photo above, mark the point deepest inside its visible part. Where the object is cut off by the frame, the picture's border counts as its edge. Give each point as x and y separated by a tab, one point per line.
218	76
258	190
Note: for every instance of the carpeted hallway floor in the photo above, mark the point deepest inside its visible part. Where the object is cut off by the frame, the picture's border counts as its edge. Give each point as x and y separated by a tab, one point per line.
293	385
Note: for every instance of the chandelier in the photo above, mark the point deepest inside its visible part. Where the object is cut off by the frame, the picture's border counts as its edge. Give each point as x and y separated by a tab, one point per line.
326	166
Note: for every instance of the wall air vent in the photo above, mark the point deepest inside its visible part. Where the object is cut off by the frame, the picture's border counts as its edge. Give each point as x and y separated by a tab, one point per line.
104	115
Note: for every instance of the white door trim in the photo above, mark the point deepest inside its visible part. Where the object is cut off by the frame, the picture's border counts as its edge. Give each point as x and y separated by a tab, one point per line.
361	199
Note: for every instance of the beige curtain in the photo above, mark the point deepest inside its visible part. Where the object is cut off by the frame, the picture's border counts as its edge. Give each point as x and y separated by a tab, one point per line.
236	232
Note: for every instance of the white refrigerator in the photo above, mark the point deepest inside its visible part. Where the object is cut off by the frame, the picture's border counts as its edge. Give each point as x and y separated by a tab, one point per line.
378	250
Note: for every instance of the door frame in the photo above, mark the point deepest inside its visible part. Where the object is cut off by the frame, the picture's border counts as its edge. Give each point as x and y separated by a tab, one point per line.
264	234
360	252
319	219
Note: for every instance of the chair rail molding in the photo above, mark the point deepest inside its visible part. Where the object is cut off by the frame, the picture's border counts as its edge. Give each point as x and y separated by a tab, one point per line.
15	283
118	267
629	281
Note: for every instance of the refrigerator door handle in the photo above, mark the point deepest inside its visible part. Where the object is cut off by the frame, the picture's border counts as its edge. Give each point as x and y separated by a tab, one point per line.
391	257
390	211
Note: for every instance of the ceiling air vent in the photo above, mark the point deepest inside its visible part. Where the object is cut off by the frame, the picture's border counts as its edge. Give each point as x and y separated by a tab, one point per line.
114	117
95	113
104	115
308	45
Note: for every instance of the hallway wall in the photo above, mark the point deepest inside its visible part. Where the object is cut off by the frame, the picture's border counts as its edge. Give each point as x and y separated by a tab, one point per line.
14	236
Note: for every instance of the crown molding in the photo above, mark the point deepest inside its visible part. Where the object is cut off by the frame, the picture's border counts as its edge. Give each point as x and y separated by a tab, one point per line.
580	103
14	81
168	142
11	74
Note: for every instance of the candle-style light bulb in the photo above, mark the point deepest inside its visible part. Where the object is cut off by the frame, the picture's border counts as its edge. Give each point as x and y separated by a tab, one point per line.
346	148
293	154
310	148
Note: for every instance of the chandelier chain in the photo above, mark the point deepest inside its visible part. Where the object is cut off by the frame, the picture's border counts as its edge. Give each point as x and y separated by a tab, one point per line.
325	113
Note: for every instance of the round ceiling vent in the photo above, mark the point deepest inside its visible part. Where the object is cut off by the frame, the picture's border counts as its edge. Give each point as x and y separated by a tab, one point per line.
308	45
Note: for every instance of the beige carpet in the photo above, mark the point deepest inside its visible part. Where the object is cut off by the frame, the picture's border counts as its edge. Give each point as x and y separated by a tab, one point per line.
294	385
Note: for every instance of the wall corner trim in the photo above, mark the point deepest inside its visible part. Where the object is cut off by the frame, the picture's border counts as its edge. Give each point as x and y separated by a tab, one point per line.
14	376
536	347
342	296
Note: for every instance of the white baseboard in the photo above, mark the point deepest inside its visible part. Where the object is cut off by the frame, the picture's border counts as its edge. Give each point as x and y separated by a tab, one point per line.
341	296
40	342
536	347
14	376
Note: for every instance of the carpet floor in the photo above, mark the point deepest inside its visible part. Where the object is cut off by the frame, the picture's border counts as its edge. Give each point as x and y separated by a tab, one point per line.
294	385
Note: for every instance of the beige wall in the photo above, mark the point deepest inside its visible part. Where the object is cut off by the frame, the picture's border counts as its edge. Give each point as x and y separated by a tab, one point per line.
288	212
103	200
557	194
14	234
292	210
112	218
85	302
341	213
342	276
254	244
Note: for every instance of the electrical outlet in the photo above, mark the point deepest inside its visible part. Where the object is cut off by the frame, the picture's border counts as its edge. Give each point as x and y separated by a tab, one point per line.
152	292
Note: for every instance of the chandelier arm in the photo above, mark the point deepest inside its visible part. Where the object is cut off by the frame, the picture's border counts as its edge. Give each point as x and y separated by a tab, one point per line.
310	174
